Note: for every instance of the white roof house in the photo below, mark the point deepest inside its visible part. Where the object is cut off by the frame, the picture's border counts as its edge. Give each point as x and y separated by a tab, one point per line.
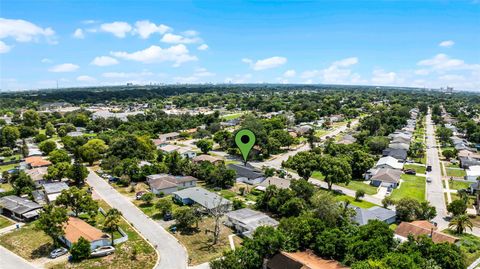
389	162
472	173
246	220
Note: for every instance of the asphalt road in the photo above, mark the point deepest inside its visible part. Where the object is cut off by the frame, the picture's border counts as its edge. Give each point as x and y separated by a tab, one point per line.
435	188
172	254
9	260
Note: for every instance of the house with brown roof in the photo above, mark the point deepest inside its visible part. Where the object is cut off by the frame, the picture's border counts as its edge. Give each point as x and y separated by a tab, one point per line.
207	158
422	227
386	177
280	183
166	184
37	161
301	260
76	228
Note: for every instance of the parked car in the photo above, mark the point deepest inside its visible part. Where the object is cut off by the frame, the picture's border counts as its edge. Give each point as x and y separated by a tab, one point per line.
429	179
410	172
102	251
139	195
337	191
168	216
57	253
429	168
113	179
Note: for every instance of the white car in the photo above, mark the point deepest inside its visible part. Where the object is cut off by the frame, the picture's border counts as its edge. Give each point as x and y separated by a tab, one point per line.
58	252
102	251
429	179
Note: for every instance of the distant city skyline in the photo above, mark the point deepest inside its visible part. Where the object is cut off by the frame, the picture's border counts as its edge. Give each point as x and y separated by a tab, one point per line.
429	44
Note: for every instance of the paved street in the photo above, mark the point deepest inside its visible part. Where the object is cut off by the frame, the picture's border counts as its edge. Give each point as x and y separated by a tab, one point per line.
435	189
9	260
172	254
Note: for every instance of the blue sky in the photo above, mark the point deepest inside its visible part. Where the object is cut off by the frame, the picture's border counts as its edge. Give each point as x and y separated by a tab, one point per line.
82	43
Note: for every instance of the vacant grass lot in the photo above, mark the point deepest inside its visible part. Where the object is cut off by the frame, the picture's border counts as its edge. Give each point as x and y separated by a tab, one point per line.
360	185
412	187
231	116
455	172
4	222
420	169
7	167
458	185
28	242
361	203
199	241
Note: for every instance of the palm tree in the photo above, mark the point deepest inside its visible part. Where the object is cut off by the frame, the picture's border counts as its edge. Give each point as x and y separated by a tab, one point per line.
112	221
461	223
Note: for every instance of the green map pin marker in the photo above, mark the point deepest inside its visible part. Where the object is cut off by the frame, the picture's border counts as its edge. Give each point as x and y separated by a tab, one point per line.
245	139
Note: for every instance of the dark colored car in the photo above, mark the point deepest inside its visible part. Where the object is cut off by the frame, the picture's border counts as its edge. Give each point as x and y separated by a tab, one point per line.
168	216
410	172
113	179
429	168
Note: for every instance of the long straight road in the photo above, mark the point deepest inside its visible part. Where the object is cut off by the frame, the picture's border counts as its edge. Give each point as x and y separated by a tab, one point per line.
435	188
172	254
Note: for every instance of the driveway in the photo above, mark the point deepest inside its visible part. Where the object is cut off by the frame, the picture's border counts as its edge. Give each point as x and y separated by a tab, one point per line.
172	254
434	189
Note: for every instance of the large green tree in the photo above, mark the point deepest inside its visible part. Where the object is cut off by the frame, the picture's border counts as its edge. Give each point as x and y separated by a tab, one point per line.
52	220
335	170
79	201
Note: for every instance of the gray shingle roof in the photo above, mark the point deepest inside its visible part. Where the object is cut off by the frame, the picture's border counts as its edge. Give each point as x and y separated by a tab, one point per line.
246	171
202	197
379	213
18	205
55	187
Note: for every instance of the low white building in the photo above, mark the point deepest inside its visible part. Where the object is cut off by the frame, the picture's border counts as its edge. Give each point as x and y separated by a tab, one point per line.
245	221
472	173
389	162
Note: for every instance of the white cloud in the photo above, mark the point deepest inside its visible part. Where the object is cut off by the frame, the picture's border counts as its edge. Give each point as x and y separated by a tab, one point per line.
24	31
202	47
190	33
126	74
337	73
85	78
4	48
118	28
381	77
78	34
196	77
451	77
146	28
422	72
443	62
61	68
104	61
238	79
290	73
177	54
446	43
267	63
179	39
203	72
46	61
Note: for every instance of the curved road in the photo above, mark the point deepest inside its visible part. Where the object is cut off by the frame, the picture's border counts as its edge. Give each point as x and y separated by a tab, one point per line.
172	254
9	260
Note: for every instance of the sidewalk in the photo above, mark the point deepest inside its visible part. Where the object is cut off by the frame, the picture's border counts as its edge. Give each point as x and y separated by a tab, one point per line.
11	228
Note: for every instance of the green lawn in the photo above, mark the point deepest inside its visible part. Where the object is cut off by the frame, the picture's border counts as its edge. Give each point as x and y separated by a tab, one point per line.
361	203
455	172
227	194
321	132
7	167
359	185
420	169
469	245
458	185
4	222
412	187
318	175
6	186
453	165
13	157
231	116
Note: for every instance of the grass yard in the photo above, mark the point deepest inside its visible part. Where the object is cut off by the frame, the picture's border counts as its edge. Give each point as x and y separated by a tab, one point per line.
4	222
7	167
6	186
471	199
129	191
455	172
231	116
27	242
361	203
134	253
420	169
453	165
458	185
199	242
321	132
318	175
411	186
359	185
13	157
469	245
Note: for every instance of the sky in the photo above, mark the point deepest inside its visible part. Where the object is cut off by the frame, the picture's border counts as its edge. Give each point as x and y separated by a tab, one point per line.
425	43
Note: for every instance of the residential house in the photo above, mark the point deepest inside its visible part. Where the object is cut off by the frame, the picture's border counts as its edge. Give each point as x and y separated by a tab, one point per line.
386	177
230	123
303	129
33	150
472	173
400	139
37	174
123	116
54	189
36	161
280	183
184	152
403	146
363	216
76	228
399	154
336	118
166	184
301	260
207	158
169	136
247	174
468	154
245	221
39	197
389	162
19	208
466	162
206	199
422	227
347	139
